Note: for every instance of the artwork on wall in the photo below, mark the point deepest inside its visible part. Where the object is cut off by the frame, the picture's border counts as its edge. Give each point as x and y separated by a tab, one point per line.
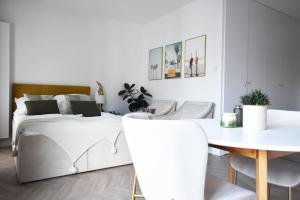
155	64
195	57
173	60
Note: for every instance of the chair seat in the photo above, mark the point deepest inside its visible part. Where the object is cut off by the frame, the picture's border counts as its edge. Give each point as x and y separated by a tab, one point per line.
217	189
281	172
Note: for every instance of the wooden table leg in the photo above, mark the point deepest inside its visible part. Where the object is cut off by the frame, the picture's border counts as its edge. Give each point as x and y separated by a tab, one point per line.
231	171
262	175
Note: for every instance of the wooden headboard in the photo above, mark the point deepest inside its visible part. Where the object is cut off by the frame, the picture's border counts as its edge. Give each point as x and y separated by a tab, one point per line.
19	89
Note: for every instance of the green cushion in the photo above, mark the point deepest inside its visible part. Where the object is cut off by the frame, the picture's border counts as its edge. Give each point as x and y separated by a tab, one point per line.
86	108
41	107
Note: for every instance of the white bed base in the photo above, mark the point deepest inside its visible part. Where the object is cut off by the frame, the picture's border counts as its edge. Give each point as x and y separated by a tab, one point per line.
35	163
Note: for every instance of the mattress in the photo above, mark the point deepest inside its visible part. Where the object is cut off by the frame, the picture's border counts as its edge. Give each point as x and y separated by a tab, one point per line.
40	156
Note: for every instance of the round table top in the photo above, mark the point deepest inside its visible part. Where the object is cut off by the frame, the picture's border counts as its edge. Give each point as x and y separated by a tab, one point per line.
272	139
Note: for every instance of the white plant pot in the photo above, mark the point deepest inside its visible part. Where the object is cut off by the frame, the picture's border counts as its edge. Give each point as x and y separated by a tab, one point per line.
254	117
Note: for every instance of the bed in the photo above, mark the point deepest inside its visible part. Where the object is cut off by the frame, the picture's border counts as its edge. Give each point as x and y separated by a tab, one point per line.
55	145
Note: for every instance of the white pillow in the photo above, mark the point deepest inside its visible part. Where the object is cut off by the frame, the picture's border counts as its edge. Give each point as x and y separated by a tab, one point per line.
21	107
82	97
63	104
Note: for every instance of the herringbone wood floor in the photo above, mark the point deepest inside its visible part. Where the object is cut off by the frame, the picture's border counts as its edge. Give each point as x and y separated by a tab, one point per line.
108	184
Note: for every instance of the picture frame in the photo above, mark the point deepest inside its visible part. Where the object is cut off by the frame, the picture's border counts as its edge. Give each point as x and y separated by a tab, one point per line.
173	61
195	57
155	67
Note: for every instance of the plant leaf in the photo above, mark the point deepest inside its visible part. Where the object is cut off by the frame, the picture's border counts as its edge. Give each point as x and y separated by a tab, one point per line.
132	86
147	94
126	86
125	96
122	92
144	104
129	100
133	107
143	90
141	96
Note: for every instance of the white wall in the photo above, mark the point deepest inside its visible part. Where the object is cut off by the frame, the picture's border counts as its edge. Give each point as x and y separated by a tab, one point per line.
298	72
260	48
55	45
115	55
4	80
195	19
51	45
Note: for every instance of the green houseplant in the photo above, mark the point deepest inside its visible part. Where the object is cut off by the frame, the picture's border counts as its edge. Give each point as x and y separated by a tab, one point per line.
136	99
255	110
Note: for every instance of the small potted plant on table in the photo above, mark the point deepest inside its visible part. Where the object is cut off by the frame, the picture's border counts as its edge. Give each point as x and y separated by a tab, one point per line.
255	110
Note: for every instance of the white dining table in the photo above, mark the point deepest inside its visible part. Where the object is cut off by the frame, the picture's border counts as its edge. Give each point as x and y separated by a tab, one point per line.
274	142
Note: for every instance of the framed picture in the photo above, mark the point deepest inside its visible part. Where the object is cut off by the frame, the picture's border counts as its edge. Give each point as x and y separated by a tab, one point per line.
155	64
173	60
195	57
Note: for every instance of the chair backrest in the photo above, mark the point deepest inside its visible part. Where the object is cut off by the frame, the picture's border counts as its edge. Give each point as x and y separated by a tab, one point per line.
283	119
169	157
163	107
194	110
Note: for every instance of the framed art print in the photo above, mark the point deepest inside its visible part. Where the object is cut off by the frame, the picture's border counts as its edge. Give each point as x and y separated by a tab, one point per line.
173	60
195	57
155	64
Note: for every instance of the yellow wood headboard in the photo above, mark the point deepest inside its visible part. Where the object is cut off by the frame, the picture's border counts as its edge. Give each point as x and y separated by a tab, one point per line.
19	89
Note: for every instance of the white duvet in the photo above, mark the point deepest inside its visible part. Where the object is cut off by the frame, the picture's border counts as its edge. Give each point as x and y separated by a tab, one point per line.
73	133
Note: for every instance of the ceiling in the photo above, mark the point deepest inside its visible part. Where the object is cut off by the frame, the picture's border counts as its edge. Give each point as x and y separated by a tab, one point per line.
136	11
289	7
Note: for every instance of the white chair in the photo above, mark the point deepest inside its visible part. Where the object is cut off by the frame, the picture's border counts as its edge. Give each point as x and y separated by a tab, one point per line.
192	110
170	160
162	107
283	172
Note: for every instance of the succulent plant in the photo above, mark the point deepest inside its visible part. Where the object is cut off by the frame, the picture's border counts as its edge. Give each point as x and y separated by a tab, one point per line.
255	97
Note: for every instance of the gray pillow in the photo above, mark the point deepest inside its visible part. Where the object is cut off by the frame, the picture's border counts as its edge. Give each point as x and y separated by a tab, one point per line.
86	108
72	97
41	107
32	97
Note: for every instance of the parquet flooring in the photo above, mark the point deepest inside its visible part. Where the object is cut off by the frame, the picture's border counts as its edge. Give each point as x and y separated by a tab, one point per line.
107	184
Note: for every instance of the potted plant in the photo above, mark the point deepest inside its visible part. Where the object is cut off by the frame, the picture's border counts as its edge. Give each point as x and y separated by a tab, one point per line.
136	99
255	110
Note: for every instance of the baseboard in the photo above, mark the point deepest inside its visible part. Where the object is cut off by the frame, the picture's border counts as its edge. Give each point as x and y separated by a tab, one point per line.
5	142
